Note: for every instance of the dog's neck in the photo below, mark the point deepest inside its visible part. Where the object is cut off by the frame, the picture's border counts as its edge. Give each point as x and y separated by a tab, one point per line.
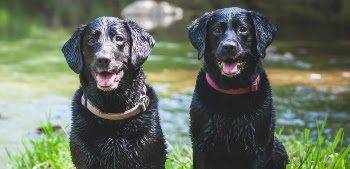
258	88
125	97
226	103
233	91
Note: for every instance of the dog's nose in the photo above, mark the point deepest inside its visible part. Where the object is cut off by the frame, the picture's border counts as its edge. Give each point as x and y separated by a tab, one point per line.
229	47
103	61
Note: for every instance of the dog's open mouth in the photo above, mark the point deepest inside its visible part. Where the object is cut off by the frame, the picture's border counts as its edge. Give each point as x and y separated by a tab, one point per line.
108	80
231	67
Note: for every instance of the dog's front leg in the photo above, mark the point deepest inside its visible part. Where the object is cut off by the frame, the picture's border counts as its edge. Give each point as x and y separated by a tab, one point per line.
81	157
198	158
255	163
279	156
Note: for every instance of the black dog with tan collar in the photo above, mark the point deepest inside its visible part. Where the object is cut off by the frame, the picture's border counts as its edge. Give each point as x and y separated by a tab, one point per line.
115	114
232	115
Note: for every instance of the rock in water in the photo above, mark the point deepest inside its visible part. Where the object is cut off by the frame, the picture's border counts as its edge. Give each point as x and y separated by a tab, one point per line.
151	14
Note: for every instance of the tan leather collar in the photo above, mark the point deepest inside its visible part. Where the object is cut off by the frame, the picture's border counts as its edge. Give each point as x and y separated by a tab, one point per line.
140	107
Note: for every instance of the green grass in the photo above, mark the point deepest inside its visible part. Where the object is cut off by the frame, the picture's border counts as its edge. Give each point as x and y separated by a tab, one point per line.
321	153
51	151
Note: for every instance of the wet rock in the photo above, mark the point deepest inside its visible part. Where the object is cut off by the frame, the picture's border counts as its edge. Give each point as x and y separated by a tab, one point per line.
332	61
278	57
301	64
302	51
334	90
55	128
303	90
286	58
290	122
317	115
151	14
2	117
272	54
315	76
346	74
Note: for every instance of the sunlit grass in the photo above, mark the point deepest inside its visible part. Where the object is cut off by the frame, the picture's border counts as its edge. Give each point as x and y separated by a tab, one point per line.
179	157
51	151
321	153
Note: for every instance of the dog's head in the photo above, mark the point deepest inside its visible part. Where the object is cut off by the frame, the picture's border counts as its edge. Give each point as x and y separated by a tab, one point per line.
107	51
233	42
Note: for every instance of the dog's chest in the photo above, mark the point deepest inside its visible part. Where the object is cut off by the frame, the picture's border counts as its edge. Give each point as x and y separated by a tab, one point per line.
232	125
230	134
121	152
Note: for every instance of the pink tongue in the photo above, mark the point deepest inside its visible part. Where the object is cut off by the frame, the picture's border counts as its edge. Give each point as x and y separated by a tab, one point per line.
230	67
106	80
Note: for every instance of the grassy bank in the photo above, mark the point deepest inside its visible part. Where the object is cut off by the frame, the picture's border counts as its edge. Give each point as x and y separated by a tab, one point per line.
51	151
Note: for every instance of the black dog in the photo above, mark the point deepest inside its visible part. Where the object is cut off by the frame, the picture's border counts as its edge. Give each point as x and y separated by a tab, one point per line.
232	117
108	54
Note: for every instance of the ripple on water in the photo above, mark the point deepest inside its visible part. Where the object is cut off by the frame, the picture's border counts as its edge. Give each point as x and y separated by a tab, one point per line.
301	107
175	117
21	120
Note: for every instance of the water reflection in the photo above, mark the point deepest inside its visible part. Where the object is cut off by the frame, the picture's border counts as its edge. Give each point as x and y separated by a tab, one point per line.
150	14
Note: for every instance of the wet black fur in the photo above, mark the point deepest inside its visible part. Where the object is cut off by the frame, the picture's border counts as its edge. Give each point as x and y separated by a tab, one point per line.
234	131
134	143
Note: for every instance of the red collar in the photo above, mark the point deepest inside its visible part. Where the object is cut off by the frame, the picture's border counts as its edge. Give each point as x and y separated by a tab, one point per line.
252	88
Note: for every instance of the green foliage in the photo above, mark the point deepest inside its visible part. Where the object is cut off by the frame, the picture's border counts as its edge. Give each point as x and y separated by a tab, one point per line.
21	18
180	157
319	154
51	151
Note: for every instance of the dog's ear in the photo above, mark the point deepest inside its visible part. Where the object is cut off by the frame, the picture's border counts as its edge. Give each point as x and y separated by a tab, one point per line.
197	33
265	31
72	50
141	43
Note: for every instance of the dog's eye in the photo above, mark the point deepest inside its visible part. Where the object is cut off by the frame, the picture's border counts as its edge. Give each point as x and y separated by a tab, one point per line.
242	29
119	38
217	30
96	35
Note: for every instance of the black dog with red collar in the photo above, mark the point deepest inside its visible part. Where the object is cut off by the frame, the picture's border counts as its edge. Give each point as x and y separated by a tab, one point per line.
232	114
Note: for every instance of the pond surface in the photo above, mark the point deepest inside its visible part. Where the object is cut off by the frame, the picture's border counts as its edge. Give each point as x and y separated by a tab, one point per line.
310	80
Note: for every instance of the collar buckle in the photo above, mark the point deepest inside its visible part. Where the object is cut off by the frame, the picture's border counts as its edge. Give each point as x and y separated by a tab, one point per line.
144	102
